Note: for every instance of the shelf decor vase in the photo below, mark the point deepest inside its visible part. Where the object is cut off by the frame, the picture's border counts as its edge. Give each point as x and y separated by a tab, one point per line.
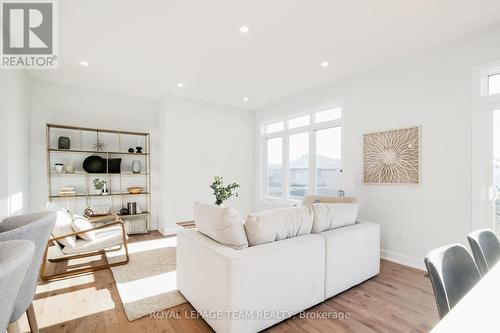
136	166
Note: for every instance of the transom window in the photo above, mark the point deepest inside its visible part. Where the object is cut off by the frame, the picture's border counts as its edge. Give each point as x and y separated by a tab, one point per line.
302	154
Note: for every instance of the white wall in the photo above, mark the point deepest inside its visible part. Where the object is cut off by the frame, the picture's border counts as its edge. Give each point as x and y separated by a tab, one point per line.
68	105
433	90
199	141
14	170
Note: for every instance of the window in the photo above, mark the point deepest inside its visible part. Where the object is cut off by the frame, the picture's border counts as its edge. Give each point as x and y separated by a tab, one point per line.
327	115
303	157
328	169
494	84
275	127
299	121
298	165
275	168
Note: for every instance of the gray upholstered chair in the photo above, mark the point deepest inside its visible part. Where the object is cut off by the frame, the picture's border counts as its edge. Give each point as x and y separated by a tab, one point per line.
453	273
15	258
485	249
36	228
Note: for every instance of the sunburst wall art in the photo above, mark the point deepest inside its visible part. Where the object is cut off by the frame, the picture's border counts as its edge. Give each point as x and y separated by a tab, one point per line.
392	157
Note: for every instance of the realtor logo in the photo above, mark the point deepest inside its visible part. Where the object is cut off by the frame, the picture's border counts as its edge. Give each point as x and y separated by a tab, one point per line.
28	34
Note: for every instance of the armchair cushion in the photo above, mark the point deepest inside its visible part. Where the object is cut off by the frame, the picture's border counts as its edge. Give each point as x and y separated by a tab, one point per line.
63	225
103	239
81	223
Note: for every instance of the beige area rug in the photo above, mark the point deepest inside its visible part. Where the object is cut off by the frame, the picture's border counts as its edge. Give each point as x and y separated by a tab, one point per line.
148	283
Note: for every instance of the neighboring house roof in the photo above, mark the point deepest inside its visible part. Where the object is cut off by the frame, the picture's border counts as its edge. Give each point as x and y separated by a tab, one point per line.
322	162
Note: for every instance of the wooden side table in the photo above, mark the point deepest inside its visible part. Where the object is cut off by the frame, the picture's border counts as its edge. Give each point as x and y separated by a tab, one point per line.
186	224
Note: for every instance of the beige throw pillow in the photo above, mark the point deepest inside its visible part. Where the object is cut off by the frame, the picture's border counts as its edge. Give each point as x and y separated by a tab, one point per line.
81	223
63	225
329	216
222	224
278	224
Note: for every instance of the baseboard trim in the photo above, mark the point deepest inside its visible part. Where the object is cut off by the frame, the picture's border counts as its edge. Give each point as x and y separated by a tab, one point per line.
170	231
402	259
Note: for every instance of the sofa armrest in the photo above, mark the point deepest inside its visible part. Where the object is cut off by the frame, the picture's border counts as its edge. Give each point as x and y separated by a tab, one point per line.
285	276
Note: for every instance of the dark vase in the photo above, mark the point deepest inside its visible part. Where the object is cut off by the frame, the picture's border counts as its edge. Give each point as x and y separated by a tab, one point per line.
63	142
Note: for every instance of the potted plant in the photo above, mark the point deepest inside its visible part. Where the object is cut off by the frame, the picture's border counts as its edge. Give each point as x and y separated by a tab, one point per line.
221	192
99	186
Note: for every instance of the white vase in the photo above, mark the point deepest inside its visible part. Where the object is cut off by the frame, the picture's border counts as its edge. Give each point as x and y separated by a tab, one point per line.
59	168
136	166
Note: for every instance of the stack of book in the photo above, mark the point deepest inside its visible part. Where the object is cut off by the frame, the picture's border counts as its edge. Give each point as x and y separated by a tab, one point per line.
67	191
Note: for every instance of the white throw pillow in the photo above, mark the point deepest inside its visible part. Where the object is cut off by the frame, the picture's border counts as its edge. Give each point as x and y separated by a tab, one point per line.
329	216
278	224
222	224
63	225
81	223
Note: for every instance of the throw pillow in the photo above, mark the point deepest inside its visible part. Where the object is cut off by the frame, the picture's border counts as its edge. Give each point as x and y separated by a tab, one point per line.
222	224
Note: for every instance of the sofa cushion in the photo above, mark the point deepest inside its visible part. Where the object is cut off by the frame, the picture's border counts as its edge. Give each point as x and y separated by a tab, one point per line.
222	224
63	225
329	216
278	224
311	199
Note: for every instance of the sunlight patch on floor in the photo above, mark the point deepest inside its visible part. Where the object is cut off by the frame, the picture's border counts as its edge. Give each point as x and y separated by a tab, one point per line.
157	285
45	287
148	245
53	310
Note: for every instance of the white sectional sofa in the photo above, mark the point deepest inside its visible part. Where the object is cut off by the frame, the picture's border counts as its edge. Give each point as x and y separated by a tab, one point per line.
241	289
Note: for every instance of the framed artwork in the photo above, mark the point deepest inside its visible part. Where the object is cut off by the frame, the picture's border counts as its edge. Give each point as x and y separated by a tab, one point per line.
392	157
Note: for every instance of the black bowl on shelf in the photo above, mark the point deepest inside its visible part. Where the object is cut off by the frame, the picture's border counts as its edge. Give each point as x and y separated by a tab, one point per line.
97	164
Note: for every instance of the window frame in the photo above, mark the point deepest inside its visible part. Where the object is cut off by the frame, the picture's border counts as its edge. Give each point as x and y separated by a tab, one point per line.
285	135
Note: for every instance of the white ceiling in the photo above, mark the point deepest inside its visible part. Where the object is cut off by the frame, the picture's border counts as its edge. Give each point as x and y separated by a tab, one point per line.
143	48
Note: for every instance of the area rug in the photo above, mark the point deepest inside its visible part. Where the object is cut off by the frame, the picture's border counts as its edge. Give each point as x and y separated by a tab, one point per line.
147	284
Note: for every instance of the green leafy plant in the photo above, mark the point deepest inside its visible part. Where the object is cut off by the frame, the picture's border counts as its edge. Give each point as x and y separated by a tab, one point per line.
99	184
221	192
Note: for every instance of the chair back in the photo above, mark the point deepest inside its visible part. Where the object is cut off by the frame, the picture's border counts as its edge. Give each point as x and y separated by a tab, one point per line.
453	273
36	228
485	249
311	199
15	258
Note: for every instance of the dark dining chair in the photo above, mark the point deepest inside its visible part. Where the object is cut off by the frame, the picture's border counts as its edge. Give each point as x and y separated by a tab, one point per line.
485	249
453	273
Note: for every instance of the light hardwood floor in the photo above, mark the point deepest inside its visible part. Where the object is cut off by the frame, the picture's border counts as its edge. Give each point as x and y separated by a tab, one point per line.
399	299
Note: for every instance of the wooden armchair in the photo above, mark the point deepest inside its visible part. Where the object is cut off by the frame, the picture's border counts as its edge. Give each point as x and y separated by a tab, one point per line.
107	237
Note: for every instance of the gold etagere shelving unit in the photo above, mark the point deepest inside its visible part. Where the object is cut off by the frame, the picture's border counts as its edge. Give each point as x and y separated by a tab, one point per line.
85	151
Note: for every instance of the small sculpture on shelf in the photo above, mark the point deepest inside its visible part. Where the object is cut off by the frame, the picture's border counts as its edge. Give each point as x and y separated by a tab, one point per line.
131	150
139	147
63	142
99	145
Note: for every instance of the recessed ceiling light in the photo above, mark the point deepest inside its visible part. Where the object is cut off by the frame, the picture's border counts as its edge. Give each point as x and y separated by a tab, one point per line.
245	99
180	84
244	29
84	63
324	64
